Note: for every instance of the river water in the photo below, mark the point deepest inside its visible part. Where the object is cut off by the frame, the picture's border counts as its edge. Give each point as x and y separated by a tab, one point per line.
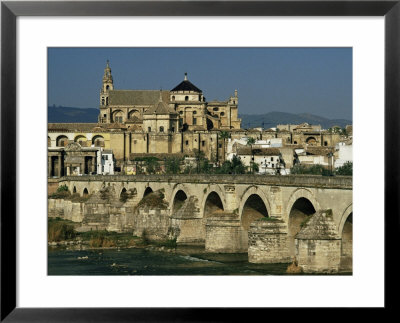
134	261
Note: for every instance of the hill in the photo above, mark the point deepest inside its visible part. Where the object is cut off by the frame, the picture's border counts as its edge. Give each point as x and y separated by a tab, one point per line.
271	119
267	120
69	114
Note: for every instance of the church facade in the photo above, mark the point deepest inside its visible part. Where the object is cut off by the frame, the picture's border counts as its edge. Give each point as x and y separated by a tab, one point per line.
153	122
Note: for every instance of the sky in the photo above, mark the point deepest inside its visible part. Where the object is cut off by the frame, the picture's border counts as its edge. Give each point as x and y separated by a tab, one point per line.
295	80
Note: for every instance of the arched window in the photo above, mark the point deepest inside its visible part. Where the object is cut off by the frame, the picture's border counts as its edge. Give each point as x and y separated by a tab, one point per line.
80	140
106	101
62	141
107	87
102	101
98	141
186	98
149	129
161	129
222	114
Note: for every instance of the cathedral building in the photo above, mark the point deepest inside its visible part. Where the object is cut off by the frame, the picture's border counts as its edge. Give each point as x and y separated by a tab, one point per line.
153	122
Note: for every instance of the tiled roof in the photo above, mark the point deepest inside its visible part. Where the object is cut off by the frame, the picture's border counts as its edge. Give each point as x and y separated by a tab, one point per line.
78	127
137	97
186	85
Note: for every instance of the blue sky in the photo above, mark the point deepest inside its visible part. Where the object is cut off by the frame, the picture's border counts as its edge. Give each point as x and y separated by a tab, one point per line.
295	80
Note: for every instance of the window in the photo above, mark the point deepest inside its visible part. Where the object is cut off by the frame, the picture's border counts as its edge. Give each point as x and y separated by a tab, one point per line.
222	114
135	142
187	142
220	145
106	101
194	120
325	143
203	143
295	142
272	158
186	98
161	129
180	112
172	129
107	87
215	109
149	129
102	101
194	112
173	98
104	115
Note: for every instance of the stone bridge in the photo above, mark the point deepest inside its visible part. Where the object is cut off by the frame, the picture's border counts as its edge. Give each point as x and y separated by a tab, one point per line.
243	213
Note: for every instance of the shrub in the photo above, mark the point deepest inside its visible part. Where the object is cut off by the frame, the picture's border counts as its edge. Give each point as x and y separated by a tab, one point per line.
59	230
345	170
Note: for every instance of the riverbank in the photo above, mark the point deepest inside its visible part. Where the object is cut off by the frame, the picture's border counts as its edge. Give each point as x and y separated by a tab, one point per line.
64	234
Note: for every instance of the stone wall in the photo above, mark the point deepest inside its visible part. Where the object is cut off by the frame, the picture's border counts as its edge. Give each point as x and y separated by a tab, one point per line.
223	234
65	209
318	244
153	223
268	242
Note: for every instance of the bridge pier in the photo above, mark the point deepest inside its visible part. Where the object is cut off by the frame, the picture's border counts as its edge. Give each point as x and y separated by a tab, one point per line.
318	244
268	241
223	234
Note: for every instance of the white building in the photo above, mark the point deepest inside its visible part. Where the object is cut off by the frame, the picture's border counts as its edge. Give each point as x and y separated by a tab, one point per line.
268	159
345	154
105	162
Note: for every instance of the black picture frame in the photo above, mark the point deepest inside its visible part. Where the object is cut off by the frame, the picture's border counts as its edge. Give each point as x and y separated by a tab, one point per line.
10	10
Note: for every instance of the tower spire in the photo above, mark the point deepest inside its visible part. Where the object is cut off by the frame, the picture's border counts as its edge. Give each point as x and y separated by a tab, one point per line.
185	76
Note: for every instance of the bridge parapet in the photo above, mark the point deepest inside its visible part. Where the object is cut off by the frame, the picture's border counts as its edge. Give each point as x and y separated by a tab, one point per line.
341	182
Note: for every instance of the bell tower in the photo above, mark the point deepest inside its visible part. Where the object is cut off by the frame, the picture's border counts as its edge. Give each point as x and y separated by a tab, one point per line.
108	85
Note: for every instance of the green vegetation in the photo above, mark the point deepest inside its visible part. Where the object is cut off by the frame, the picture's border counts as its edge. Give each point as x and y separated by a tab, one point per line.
173	165
310	170
250	141
64	230
268	219
345	170
59	229
235	166
305	221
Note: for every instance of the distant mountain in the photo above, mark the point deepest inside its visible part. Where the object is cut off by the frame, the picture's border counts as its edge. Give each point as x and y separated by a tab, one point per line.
267	120
69	114
272	119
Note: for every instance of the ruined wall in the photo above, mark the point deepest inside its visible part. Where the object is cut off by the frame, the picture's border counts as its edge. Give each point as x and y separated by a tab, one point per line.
65	209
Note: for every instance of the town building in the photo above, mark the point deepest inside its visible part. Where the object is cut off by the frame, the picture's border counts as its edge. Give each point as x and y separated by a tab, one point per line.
162	123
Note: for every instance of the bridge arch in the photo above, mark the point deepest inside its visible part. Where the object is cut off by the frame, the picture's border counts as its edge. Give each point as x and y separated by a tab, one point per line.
182	190
212	189
301	205
85	192
147	191
212	203
346	233
253	206
179	199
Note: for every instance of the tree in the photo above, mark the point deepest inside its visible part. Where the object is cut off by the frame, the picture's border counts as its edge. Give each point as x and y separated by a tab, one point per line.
172	165
152	166
310	170
250	141
254	167
346	169
235	166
